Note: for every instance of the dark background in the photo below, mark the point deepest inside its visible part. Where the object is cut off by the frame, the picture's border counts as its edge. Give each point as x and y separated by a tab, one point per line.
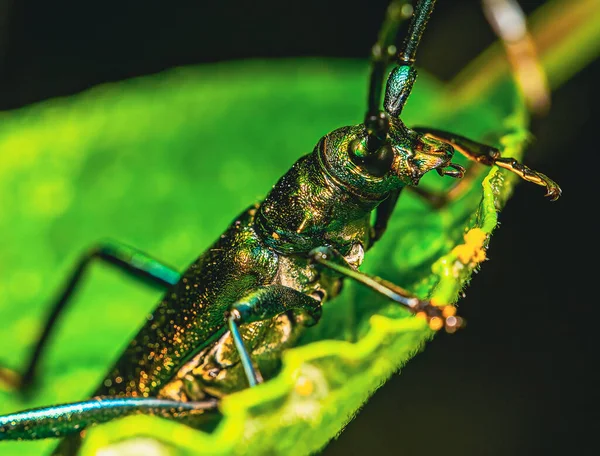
517	380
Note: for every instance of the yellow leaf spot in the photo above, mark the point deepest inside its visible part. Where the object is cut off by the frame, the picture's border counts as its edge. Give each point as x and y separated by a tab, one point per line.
436	323
472	251
449	311
479	256
422	315
475	237
463	252
304	387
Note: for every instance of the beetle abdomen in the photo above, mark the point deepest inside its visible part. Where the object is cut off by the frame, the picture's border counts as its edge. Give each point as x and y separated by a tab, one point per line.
191	316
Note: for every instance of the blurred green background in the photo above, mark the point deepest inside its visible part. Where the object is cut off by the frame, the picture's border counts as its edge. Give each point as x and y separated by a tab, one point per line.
514	382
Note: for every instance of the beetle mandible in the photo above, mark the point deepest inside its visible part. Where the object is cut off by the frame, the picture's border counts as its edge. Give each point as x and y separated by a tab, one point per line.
274	267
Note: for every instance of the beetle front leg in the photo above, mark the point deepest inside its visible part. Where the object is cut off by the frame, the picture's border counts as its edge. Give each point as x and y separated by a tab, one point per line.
67	419
437	316
383	213
265	303
438	199
488	155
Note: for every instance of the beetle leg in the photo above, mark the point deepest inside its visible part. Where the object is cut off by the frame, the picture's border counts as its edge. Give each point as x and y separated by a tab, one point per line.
437	316
66	419
436	199
488	155
127	259
383	213
439	199
252	373
263	304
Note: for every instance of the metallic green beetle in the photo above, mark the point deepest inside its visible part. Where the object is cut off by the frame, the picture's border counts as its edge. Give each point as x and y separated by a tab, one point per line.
223	324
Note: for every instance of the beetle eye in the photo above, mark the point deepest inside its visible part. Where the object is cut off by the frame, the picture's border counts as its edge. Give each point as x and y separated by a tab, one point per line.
376	164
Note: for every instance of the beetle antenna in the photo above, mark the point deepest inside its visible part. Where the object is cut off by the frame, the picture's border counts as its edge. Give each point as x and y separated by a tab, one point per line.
416	28
403	76
382	53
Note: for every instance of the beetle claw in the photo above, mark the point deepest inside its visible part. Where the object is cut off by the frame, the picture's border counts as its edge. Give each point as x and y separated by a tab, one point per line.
456	172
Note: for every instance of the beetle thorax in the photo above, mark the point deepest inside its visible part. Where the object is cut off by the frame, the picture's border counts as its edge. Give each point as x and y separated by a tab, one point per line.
307	209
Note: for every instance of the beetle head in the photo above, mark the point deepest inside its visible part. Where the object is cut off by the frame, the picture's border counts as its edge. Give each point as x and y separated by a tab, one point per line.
401	159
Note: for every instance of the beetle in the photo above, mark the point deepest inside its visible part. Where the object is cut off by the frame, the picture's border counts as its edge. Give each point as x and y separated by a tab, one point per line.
246	299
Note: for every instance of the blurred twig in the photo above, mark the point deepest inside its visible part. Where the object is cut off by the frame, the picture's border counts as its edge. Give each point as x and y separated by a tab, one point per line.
566	35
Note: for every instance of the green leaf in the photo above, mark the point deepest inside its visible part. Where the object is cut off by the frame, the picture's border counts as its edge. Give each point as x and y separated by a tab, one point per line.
165	163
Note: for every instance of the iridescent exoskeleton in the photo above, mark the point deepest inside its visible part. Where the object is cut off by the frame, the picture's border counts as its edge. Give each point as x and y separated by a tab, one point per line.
225	321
